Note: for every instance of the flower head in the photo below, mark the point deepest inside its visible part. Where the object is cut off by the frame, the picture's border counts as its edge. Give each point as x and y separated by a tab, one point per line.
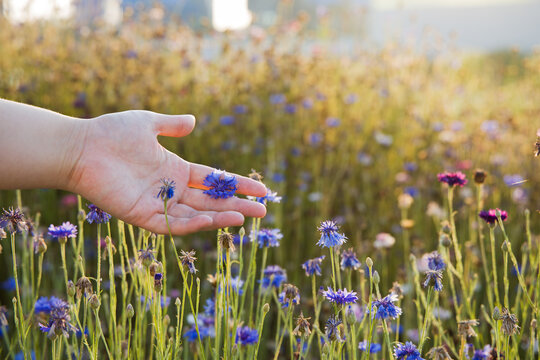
434	277
271	196
330	237
58	320
407	351
333	329
273	276
438	353
13	220
349	260
221	185
313	266
146	256
465	328
289	295
435	261
373	347
509	323
96	215
302	326
385	307
188	259
246	336
166	191
483	354
226	240
269	237
384	241
490	216
453	178
64	231
340	297
46	305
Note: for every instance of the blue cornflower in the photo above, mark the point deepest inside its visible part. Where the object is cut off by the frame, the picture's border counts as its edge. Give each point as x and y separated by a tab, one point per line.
385	307
332	329
329	235
315	138
46	305
58	321
351	99
9	284
205	324
210	307
64	231
332	122
340	297
273	276
307	103
483	354
270	196
165	301
277	99
96	215
313	266
236	285
349	260
290	108
227	120
79	333
373	348
221	185
166	191
435	261
20	355
435	277
240	109
407	351
246	336
269	237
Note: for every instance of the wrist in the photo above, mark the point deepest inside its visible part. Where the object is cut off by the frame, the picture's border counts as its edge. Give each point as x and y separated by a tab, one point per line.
76	136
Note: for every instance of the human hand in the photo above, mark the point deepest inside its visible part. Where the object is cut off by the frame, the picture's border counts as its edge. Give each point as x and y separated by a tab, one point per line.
120	166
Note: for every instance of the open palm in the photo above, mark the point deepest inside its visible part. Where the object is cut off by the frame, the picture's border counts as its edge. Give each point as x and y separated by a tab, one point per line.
121	165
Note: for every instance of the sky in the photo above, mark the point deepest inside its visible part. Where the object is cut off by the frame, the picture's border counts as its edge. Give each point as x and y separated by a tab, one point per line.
394	4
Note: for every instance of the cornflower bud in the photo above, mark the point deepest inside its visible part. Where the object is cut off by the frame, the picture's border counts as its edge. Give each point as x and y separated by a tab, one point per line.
130	312
94	302
71	290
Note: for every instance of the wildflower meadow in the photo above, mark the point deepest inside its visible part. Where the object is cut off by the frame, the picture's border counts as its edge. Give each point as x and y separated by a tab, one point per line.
402	206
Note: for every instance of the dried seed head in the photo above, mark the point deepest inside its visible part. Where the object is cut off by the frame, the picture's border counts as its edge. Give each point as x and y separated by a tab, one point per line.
465	328
479	176
84	286
254	175
438	353
509	323
155	267
291	291
226	240
158	282
40	246
302	328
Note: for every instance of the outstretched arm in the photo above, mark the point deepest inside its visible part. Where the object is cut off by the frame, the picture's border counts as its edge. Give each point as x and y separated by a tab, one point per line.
116	162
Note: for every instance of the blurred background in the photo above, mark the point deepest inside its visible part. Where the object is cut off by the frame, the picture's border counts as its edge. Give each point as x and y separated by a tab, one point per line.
342	105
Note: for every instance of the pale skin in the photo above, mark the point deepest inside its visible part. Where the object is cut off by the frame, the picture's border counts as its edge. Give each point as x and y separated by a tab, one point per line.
116	162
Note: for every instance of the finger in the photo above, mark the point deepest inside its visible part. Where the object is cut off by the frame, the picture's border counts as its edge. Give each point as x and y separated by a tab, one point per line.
246	186
197	199
220	219
173	125
179	226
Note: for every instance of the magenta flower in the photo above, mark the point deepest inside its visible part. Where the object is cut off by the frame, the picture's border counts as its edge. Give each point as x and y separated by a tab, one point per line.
490	216
453	178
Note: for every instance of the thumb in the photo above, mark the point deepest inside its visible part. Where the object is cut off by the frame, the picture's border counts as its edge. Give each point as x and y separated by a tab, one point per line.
174	125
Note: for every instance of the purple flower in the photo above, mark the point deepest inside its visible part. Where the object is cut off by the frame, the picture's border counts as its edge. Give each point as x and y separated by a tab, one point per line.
307	103
434	277
227	120
332	122
331	330
435	261
340	297
273	276
64	231
96	215
277	99
13	220
349	260
453	178
373	348
246	336
166	191
46	305
270	196
407	351
269	237
313	266
315	139
290	109
240	109
490	216
58	321
329	235
385	307
221	185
